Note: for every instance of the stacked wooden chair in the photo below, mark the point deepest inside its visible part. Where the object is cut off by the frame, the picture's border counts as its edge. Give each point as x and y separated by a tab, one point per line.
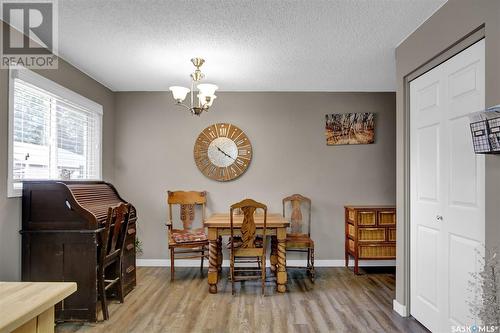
297	209
248	250
186	242
110	255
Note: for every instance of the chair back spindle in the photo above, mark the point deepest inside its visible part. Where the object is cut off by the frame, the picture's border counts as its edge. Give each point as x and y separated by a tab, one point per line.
187	215
300	207
248	227
187	201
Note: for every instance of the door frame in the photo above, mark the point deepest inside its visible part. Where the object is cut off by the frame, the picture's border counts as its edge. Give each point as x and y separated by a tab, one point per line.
473	37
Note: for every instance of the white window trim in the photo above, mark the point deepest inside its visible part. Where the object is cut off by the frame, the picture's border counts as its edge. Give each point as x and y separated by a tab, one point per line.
51	87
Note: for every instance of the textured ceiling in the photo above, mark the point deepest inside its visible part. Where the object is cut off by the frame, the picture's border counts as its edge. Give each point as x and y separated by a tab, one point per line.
249	45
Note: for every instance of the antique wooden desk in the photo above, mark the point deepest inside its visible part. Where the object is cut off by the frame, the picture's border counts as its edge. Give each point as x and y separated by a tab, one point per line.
62	224
219	225
29	306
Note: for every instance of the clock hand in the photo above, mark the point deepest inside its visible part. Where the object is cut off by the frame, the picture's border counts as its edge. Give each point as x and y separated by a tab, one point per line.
222	151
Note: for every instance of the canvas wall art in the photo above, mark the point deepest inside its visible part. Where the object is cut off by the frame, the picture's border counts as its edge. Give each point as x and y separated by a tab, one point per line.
350	128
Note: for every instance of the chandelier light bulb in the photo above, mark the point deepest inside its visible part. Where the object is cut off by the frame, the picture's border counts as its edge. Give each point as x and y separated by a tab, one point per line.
179	93
207	89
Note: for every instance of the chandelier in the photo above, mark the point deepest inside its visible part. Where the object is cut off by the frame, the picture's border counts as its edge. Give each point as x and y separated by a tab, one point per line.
205	91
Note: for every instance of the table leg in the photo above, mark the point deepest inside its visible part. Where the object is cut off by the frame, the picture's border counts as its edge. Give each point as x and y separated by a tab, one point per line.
213	271
281	275
273	258
44	322
219	255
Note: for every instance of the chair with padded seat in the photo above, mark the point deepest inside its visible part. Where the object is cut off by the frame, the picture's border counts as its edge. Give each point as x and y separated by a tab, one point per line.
187	242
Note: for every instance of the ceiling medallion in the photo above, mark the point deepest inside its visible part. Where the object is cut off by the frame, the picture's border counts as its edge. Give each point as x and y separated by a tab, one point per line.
205	93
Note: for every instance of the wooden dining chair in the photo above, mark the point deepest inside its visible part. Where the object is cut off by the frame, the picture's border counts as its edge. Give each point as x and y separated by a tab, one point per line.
248	250
297	208
188	242
110	255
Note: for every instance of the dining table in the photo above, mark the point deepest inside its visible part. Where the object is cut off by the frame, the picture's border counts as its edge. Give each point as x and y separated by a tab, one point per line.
219	225
28	307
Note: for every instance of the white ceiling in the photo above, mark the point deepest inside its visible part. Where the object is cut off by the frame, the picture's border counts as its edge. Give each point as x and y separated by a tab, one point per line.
249	45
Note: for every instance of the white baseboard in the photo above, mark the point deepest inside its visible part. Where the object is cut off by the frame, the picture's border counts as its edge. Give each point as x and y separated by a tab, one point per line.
400	308
296	262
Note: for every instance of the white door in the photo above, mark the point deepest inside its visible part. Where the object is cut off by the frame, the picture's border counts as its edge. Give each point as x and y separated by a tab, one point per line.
446	190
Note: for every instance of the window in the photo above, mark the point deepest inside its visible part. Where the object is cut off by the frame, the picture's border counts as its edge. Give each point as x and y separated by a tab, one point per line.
54	133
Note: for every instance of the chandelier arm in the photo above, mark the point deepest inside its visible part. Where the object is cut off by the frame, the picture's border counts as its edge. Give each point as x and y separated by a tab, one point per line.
183	105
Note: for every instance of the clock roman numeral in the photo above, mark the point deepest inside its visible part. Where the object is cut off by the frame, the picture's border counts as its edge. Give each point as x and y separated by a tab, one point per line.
241	142
203	141
203	162
233	170
211	169
240	162
222	129
234	133
244	152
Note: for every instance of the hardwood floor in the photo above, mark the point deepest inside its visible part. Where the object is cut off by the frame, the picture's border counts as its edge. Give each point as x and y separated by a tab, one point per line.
337	302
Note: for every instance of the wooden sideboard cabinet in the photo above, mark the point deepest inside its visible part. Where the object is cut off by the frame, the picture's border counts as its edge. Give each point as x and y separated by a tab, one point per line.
370	233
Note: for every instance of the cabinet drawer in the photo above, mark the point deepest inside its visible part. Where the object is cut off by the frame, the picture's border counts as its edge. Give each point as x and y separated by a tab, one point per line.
129	245
391	234
351	230
131	230
366	218
351	215
377	251
128	267
351	245
129	274
387	218
371	234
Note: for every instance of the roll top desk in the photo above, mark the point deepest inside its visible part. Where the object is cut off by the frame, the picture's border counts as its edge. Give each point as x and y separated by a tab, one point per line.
61	225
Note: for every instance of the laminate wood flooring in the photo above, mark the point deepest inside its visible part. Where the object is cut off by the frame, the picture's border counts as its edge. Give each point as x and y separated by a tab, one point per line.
338	301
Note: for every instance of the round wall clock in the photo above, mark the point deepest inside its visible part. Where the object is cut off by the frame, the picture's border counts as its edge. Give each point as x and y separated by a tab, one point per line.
222	152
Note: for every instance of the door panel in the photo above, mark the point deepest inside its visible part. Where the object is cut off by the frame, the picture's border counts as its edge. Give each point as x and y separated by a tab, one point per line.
427	247
463	165
465	84
463	81
446	190
428	98
428	163
462	255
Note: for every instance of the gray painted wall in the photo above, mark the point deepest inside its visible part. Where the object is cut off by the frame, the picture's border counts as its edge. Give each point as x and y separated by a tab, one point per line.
452	22
154	153
10	208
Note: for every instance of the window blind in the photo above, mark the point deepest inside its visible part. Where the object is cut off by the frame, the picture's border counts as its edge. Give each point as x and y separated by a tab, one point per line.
53	138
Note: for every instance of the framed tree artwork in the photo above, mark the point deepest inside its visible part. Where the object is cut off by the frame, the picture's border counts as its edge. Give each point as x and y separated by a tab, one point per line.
350	128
